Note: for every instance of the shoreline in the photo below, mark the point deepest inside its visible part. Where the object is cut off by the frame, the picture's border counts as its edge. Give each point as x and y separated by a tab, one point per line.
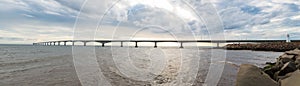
285	71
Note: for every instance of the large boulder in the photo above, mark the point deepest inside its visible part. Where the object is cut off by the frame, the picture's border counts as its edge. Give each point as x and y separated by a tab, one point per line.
286	58
293	52
287	68
250	75
292	80
297	62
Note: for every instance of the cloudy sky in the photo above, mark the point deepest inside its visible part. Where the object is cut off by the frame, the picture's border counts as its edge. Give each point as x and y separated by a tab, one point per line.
28	21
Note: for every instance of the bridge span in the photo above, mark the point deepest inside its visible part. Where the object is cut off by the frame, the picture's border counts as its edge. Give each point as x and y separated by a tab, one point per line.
103	42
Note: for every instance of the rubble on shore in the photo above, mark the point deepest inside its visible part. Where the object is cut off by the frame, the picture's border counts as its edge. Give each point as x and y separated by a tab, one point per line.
270	46
284	72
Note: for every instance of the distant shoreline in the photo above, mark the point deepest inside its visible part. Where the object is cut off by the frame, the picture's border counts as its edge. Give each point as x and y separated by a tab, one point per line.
15	44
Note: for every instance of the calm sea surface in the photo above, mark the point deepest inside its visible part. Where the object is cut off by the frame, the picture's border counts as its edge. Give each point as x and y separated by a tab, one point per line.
54	65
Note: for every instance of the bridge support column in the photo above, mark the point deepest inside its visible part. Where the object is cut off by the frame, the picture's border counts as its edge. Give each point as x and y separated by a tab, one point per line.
181	45
54	43
65	43
155	44
84	43
136	45
218	44
121	44
103	44
58	43
50	43
73	43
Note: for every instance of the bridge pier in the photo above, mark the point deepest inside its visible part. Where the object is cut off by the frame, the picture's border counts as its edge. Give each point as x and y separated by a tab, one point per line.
155	44
65	43
84	43
218	44
58	43
136	45
73	43
121	44
50	43
103	44
181	45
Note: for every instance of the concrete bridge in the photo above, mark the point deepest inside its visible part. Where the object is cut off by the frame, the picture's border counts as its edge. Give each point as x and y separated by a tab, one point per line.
58	43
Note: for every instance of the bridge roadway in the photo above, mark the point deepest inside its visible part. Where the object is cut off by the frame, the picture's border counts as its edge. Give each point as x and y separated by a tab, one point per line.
49	43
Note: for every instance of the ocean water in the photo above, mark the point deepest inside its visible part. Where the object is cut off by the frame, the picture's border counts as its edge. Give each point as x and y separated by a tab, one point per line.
121	66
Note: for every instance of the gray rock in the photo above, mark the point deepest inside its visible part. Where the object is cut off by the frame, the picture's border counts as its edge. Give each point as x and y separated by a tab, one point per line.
285	76
278	78
287	68
275	76
297	60
250	75
285	60
270	63
287	56
278	65
293	52
293	80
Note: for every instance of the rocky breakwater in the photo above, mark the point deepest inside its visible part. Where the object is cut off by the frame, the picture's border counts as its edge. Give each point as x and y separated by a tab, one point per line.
270	46
284	72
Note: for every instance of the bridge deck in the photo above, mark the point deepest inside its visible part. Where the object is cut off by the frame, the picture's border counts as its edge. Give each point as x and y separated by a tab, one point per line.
155	41
213	41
